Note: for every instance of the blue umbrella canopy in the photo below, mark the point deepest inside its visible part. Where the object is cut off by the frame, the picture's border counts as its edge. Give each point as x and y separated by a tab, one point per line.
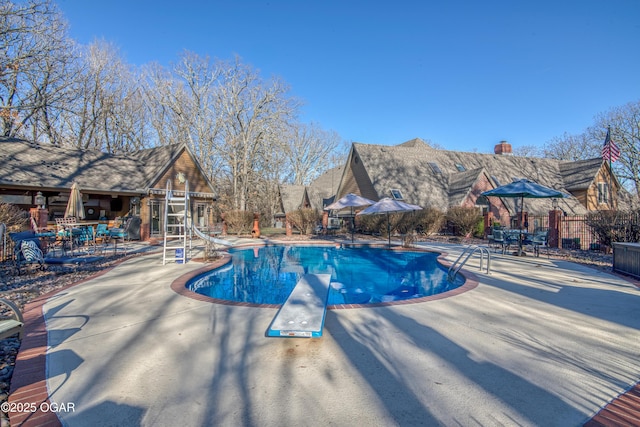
524	188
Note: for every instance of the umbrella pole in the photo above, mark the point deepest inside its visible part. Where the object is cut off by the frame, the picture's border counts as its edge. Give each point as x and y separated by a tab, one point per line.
389	230
520	225
353	223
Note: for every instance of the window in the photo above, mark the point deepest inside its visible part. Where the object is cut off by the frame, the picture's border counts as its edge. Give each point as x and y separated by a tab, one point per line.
201	219
156	212
435	168
460	167
396	194
603	192
482	201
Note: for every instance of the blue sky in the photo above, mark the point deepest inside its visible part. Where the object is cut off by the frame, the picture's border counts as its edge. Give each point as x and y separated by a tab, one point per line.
463	74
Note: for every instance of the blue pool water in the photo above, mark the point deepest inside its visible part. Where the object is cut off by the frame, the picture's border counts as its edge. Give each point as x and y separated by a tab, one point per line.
267	275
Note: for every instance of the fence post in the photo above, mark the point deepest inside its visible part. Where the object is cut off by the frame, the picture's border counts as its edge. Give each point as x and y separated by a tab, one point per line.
555	217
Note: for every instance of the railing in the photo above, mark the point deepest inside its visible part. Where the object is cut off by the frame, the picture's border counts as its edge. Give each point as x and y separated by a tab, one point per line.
626	258
469	251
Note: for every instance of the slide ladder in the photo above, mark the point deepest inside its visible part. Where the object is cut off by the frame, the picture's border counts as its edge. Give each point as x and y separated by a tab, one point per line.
468	252
176	214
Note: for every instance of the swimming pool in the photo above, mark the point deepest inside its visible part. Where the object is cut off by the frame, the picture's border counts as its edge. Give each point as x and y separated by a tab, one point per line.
267	275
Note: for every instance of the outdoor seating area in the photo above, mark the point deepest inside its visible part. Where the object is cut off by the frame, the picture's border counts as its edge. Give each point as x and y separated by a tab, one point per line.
71	243
505	240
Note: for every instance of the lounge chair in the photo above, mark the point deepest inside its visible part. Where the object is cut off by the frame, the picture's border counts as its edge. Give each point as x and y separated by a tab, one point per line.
11	326
27	250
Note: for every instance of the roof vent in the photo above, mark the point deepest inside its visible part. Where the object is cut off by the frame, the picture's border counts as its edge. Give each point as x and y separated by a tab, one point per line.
503	148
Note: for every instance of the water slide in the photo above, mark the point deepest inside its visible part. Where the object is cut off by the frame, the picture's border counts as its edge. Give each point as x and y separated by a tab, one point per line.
206	237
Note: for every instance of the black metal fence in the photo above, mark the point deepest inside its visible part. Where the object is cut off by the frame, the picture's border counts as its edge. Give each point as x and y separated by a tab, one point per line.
575	231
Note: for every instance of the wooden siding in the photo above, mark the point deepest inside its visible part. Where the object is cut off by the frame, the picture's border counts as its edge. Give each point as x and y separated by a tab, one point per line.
590	198
356	180
184	164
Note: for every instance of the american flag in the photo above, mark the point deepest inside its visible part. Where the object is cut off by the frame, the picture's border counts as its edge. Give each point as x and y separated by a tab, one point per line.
610	150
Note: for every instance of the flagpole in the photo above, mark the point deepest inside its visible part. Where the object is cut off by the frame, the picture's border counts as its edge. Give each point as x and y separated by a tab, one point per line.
610	170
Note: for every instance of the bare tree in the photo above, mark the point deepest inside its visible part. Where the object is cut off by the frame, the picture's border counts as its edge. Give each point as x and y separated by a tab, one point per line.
625	132
254	117
182	106
35	54
527	151
108	113
309	151
571	147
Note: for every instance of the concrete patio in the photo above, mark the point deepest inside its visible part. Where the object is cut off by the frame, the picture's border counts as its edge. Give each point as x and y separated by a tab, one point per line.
538	342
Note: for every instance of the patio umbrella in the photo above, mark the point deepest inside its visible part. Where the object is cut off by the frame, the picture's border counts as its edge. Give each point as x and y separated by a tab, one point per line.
75	208
389	206
523	188
349	201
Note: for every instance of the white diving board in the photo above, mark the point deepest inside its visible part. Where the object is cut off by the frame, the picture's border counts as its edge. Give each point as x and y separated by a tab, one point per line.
302	314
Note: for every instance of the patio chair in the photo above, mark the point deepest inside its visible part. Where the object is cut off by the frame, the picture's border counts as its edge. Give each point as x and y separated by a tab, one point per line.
64	223
13	325
102	232
498	240
27	251
102	237
46	236
538	240
86	238
511	238
123	232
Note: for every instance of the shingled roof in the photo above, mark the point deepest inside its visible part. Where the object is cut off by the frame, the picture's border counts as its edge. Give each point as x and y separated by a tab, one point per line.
27	164
292	197
441	178
324	187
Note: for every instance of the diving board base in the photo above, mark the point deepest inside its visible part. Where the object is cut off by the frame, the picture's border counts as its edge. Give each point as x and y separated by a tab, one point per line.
302	315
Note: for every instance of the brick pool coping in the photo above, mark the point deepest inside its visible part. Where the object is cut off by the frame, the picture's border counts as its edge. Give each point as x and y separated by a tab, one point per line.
29	380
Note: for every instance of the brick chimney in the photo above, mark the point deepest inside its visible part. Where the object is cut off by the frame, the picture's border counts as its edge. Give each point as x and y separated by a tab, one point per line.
503	148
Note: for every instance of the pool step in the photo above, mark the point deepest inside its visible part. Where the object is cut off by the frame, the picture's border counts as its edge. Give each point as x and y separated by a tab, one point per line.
302	314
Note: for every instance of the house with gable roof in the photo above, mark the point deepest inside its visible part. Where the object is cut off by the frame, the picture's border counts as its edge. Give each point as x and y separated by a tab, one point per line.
113	186
292	197
429	177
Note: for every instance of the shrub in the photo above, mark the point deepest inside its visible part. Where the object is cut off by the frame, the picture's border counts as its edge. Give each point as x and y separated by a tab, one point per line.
239	222
372	224
479	229
614	226
304	220
13	217
430	221
463	220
